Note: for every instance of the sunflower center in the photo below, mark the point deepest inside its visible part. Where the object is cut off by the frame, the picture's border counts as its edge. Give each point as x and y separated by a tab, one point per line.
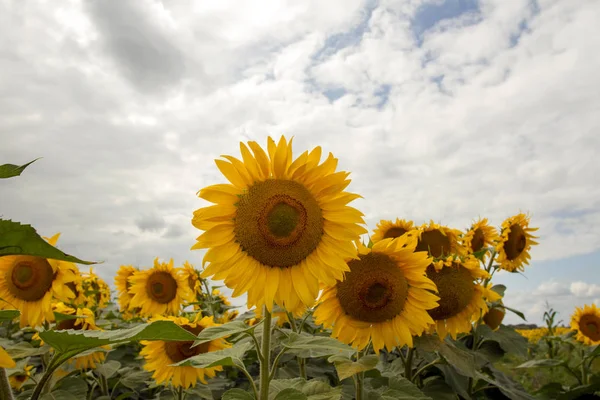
161	287
478	240
455	287
278	222
375	289
30	278
516	242
179	351
589	325
394	232
68	324
435	242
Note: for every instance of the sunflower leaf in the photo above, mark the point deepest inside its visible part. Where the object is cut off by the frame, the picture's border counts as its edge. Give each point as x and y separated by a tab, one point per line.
500	289
237	394
517	312
509	340
73	341
63	317
221	331
546	362
9	315
232	356
17	239
347	368
11	170
313	389
306	346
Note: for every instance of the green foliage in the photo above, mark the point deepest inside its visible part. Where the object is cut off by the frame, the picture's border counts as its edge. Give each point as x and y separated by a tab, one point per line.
11	170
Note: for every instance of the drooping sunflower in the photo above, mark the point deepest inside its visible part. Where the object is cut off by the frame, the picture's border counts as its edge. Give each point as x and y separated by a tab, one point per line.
389	229
462	298
480	235
586	321
515	242
159	290
6	360
160	355
29	283
18	379
280	227
192	276
384	298
439	240
97	291
122	284
80	299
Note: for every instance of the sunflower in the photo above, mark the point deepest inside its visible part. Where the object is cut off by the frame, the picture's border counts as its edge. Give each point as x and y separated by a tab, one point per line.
193	278
439	240
6	361
586	321
160	355
29	283
384	298
280	227
515	242
80	299
480	235
159	290
18	379
462	299
122	284
389	229
96	290
229	316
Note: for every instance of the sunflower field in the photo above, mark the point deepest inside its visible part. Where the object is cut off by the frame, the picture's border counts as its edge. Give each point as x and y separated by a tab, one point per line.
334	311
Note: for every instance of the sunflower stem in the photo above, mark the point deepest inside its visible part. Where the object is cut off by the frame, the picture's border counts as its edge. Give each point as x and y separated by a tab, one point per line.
359	386
584	374
5	390
425	367
103	385
408	364
180	393
266	355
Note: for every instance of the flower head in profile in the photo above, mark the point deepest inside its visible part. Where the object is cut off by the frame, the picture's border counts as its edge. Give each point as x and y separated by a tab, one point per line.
515	242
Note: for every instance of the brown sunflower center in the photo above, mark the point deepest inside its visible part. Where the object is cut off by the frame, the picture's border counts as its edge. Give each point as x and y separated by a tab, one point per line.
455	289
21	378
161	287
374	290
394	232
435	242
30	278
278	222
68	324
516	242
179	351
589	325
478	240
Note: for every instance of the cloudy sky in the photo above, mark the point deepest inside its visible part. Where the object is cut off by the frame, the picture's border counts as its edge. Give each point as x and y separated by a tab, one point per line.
441	109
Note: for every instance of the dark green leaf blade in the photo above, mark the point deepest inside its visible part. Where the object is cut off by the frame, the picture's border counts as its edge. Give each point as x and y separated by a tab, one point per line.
11	170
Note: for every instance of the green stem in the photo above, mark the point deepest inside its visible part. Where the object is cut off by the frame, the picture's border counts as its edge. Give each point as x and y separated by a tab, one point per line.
179	393
211	300
408	364
103	385
251	380
266	354
488	268
52	366
276	363
5	390
359	386
301	361
256	344
302	367
584	374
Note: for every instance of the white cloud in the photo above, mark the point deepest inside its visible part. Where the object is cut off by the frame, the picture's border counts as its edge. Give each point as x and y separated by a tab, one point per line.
582	289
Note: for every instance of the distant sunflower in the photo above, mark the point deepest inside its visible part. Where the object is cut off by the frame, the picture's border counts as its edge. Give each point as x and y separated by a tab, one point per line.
586	321
390	230
80	299
480	235
18	379
515	242
193	278
439	240
160	355
159	290
462	299
29	283
96	290
228	316
6	360
122	284
280	227
384	298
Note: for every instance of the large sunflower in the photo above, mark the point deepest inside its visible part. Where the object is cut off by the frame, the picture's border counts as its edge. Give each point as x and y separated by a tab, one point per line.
160	355
159	290
384	298
29	283
515	242
389	229
280	227
439	240
480	235
122	284
462	298
586	321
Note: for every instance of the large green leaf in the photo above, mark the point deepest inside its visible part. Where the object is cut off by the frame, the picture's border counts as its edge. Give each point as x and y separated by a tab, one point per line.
290	394
75	386
507	338
25	349
17	239
547	362
108	368
221	331
305	346
510	388
346	368
461	359
11	170
73	341
406	390
9	315
237	394
233	356
438	389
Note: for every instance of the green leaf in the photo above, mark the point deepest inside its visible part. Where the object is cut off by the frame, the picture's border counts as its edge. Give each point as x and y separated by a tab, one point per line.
290	394
461	359
547	362
305	346
232	356
25	349
237	394
579	391
17	239
73	385
406	390
313	390
59	395
108	368
62	317
507	386
437	389
346	368
509	340
517	312
11	170
135	379
221	331
9	315
73	341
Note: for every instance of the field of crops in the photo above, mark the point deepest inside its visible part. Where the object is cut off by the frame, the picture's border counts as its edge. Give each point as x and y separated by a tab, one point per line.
410	313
